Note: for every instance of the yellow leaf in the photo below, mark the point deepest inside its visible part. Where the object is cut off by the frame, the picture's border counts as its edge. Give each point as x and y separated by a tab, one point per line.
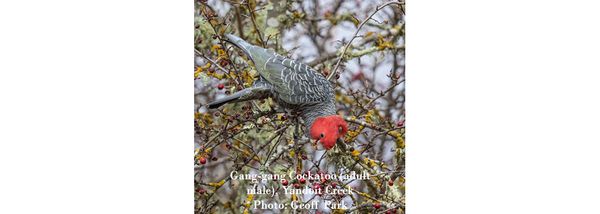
217	185
215	47
355	21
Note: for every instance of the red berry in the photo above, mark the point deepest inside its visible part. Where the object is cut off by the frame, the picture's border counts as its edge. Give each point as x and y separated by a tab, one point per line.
358	76
203	160
391	182
316	186
334	184
302	180
201	191
296	185
224	63
400	123
220	86
284	182
377	205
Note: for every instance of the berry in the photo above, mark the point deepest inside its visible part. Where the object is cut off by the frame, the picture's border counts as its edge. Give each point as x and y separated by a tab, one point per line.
220	86
284	182
296	185
358	76
391	182
376	205
334	184
302	180
400	123
201	191
224	63
316	186
203	160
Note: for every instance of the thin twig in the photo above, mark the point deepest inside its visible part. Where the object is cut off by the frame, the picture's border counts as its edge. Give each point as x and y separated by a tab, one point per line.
377	9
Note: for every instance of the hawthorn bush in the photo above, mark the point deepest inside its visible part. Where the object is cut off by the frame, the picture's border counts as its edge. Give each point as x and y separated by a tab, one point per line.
359	46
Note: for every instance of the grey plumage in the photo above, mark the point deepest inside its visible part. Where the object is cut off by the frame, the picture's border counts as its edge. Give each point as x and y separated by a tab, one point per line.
259	90
292	84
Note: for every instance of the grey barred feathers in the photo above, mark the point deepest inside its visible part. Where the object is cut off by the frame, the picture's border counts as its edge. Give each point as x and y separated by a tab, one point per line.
292	84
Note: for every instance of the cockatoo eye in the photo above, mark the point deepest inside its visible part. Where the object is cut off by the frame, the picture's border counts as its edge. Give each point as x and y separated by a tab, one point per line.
322	135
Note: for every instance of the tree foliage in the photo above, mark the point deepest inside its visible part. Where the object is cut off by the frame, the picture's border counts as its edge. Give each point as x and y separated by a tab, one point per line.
359	45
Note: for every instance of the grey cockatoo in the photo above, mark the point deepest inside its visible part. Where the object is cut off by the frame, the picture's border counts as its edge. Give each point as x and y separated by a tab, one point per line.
293	85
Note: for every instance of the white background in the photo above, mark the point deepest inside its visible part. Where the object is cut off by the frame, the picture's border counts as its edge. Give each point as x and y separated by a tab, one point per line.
502	106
